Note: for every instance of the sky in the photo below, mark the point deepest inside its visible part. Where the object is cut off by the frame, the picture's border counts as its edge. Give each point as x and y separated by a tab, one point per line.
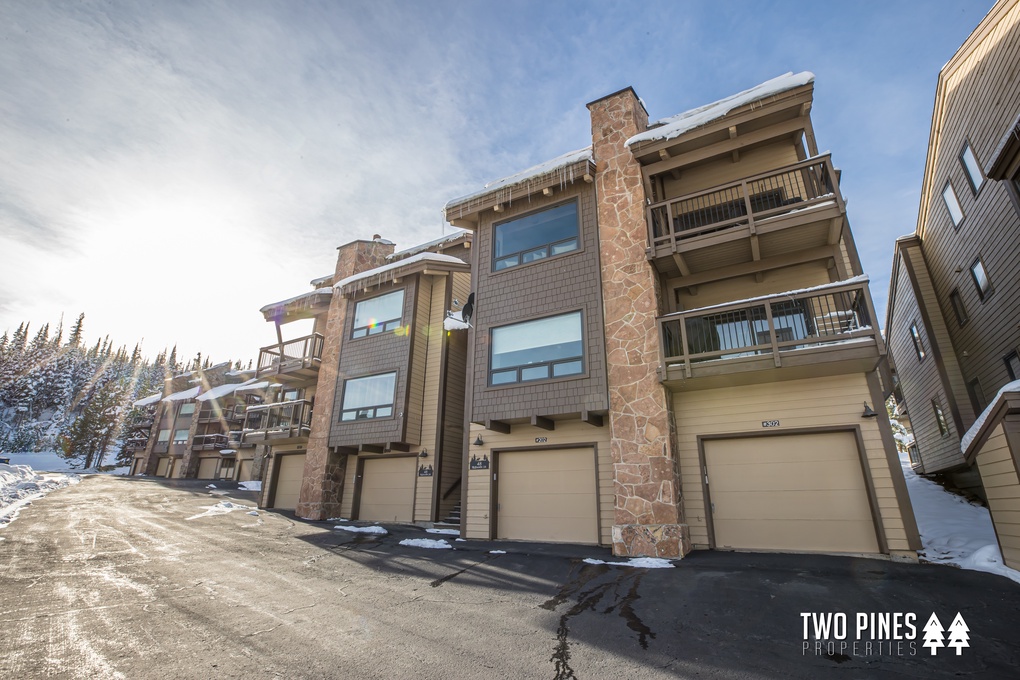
167	168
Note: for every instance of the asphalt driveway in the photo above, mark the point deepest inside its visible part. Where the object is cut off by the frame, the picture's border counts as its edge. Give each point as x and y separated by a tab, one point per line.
142	578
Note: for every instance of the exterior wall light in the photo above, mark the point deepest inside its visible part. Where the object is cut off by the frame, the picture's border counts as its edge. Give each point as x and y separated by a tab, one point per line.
478	441
868	412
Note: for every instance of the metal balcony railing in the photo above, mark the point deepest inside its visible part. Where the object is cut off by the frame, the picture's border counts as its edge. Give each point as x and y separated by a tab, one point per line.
285	419
294	355
808	184
770	325
215	412
209	441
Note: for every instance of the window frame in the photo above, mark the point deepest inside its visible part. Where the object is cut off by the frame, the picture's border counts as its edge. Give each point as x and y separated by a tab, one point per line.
915	337
177	431
975	185
1014	355
493	258
986	293
914	454
519	369
386	325
160	439
374	408
959	309
940	418
977	395
181	412
956	200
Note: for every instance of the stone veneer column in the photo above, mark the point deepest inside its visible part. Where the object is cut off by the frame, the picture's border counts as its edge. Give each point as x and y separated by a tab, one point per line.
649	518
323	480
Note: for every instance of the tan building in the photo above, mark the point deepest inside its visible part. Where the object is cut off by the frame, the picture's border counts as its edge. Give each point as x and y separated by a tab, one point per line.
381	385
954	302
674	345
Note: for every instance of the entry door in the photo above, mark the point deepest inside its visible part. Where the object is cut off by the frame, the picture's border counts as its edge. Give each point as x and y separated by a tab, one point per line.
547	495
387	489
790	492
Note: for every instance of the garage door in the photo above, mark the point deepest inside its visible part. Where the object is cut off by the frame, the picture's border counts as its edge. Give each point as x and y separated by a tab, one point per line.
387	489
161	467
288	481
793	492
547	495
207	468
245	475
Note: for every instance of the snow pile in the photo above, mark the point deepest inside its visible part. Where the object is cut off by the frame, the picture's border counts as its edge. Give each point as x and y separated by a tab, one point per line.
210	486
454	321
364	530
497	552
447	532
953	531
250	486
968	438
221	508
426	543
20	485
643	562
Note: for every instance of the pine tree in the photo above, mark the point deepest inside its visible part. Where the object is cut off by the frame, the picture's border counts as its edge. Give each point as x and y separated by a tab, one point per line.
75	338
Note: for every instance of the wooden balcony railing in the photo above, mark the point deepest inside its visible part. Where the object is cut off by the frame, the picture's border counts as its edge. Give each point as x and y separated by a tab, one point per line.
803	185
295	355
279	420
767	326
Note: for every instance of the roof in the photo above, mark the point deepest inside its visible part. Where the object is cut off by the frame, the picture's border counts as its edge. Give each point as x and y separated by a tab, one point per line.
185	395
394	267
303	297
222	390
560	163
989	418
429	245
674	126
148	401
322	281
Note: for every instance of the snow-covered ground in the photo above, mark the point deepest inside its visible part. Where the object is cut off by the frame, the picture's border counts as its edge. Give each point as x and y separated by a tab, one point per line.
953	531
20	485
51	461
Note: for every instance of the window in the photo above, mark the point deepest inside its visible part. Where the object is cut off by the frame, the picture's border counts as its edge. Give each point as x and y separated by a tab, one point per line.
536	350
940	418
918	345
980	276
915	455
977	395
186	409
181	436
971	168
536	236
368	397
958	308
379	314
952	204
163	437
1013	365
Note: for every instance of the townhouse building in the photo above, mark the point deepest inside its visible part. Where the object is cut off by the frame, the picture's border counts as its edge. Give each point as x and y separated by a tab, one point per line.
673	345
379	385
953	316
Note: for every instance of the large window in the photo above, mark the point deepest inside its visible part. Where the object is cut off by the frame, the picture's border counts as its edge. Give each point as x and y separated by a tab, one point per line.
187	409
368	397
180	436
163	436
980	277
536	350
535	237
971	168
952	204
379	314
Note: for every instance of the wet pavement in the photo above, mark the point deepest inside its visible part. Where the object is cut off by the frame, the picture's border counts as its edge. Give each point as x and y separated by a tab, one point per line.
145	578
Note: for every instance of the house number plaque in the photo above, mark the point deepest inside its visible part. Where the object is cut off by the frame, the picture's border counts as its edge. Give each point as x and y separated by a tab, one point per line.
770	423
541	440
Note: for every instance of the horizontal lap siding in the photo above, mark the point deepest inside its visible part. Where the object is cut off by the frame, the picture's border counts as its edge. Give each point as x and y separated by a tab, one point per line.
999	477
797	404
452	446
743	287
723	171
430	323
347	503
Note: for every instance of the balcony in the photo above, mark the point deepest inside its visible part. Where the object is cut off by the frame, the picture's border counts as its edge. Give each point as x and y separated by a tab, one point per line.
296	359
143	424
285	422
135	445
235	440
209	442
826	330
230	414
798	207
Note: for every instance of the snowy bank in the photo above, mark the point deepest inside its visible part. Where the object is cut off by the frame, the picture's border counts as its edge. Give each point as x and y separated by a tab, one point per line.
20	485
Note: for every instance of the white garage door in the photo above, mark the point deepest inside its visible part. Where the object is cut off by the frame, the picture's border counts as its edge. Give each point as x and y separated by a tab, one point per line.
207	468
162	466
288	481
387	489
547	495
794	492
245	475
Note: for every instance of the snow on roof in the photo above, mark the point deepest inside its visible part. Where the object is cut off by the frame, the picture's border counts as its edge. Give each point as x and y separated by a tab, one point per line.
420	257
674	126
148	401
414	250
250	385
972	433
222	390
863	278
184	395
322	281
297	298
550	166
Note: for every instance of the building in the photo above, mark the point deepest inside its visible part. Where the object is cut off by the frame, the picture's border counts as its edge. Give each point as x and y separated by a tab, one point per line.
195	431
379	386
954	300
674	346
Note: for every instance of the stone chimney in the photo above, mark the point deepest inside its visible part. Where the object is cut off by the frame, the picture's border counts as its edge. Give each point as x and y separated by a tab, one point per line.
649	516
